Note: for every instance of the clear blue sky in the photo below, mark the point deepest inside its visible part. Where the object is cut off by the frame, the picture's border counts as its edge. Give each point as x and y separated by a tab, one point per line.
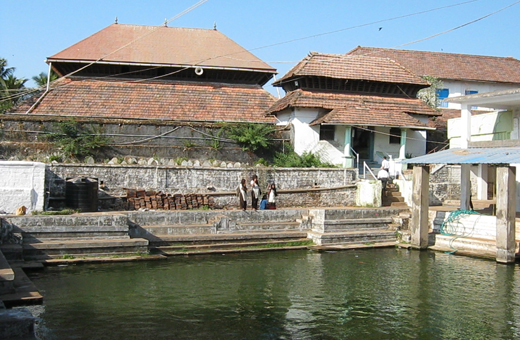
34	29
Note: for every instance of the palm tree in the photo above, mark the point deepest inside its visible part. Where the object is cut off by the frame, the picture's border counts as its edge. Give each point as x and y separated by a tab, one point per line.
10	87
41	79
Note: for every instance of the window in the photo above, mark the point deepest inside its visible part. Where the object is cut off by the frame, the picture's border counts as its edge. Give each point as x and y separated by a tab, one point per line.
395	136
327	132
443	94
468	92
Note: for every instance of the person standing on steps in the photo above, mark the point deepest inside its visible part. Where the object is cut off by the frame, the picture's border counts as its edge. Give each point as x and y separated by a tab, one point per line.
255	192
241	193
271	196
383	176
385	164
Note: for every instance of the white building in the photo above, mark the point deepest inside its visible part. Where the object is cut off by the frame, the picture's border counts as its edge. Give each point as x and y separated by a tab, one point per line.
348	107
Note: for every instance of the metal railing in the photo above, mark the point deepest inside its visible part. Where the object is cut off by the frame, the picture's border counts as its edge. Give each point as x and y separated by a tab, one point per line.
365	166
357	157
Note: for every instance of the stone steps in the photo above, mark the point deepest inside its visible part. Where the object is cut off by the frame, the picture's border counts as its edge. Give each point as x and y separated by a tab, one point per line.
353	246
356	224
264	226
177	229
60	248
236	238
188	248
353	237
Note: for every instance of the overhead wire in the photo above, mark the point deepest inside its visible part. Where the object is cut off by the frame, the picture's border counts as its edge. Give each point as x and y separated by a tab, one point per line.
293	40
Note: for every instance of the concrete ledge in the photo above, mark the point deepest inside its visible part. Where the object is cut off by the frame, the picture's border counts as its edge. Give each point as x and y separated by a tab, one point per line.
6	272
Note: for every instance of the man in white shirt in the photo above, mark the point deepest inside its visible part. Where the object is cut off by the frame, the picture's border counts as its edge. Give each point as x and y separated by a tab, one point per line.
383	176
385	164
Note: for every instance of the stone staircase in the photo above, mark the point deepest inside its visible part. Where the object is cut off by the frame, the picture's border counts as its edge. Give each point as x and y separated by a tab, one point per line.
355	228
45	237
173	233
392	197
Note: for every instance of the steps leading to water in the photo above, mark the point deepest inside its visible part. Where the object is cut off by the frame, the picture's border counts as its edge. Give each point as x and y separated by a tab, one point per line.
220	231
392	197
355	227
44	237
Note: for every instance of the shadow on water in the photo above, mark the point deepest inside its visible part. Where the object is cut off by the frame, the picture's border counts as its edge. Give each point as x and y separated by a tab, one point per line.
368	294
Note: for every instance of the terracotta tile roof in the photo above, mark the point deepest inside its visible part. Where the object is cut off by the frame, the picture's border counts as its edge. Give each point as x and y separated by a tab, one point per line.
160	100
352	109
371	116
450	65
160	45
352	67
330	101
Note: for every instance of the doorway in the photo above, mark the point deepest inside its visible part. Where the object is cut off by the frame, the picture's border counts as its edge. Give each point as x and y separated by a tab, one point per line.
363	142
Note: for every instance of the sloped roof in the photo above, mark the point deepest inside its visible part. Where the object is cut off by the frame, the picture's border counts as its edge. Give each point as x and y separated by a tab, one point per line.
353	109
497	156
193	101
449	65
352	68
160	45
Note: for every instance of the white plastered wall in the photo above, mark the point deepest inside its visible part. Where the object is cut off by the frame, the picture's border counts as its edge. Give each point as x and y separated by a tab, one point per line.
415	143
305	137
22	183
459	88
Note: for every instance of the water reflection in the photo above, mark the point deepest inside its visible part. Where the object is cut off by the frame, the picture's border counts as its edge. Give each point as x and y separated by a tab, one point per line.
370	294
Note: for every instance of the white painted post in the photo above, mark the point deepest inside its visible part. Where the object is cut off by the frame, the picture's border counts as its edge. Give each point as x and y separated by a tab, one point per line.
506	213
482	184
402	149
465	134
465	186
349	161
420	204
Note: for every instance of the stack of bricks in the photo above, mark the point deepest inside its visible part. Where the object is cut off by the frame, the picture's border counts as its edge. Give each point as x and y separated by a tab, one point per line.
149	199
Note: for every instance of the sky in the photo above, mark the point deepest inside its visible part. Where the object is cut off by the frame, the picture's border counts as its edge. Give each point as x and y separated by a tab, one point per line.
280	32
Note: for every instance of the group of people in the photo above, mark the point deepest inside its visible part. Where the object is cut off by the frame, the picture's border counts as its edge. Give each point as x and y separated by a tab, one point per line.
268	200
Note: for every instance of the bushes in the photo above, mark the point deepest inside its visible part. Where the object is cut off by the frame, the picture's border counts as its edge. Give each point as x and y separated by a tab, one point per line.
291	159
75	140
252	137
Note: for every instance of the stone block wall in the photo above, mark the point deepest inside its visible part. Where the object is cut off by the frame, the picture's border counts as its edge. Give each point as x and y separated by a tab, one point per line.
296	187
25	137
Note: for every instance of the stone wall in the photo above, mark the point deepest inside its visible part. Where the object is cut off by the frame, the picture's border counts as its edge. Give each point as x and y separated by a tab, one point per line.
25	137
296	187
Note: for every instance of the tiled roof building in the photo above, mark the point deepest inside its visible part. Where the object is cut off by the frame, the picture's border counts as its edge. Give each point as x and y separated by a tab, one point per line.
336	103
454	66
159	72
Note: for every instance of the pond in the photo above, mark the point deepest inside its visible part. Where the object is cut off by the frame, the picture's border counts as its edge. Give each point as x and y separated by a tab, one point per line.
360	294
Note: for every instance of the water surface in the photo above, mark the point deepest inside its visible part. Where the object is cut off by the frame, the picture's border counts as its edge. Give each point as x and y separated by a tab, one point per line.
362	294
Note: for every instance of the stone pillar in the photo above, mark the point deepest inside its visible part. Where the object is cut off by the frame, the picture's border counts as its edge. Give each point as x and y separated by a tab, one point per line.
349	160
482	182
465	186
506	213
420	205
402	149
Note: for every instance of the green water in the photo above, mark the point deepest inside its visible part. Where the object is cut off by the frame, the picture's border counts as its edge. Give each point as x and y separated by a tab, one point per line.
369	294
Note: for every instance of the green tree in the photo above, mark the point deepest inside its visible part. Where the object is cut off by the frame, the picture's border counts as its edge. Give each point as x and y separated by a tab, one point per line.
11	88
41	79
430	95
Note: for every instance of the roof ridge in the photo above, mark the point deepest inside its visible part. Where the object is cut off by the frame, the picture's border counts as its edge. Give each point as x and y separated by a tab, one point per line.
358	48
